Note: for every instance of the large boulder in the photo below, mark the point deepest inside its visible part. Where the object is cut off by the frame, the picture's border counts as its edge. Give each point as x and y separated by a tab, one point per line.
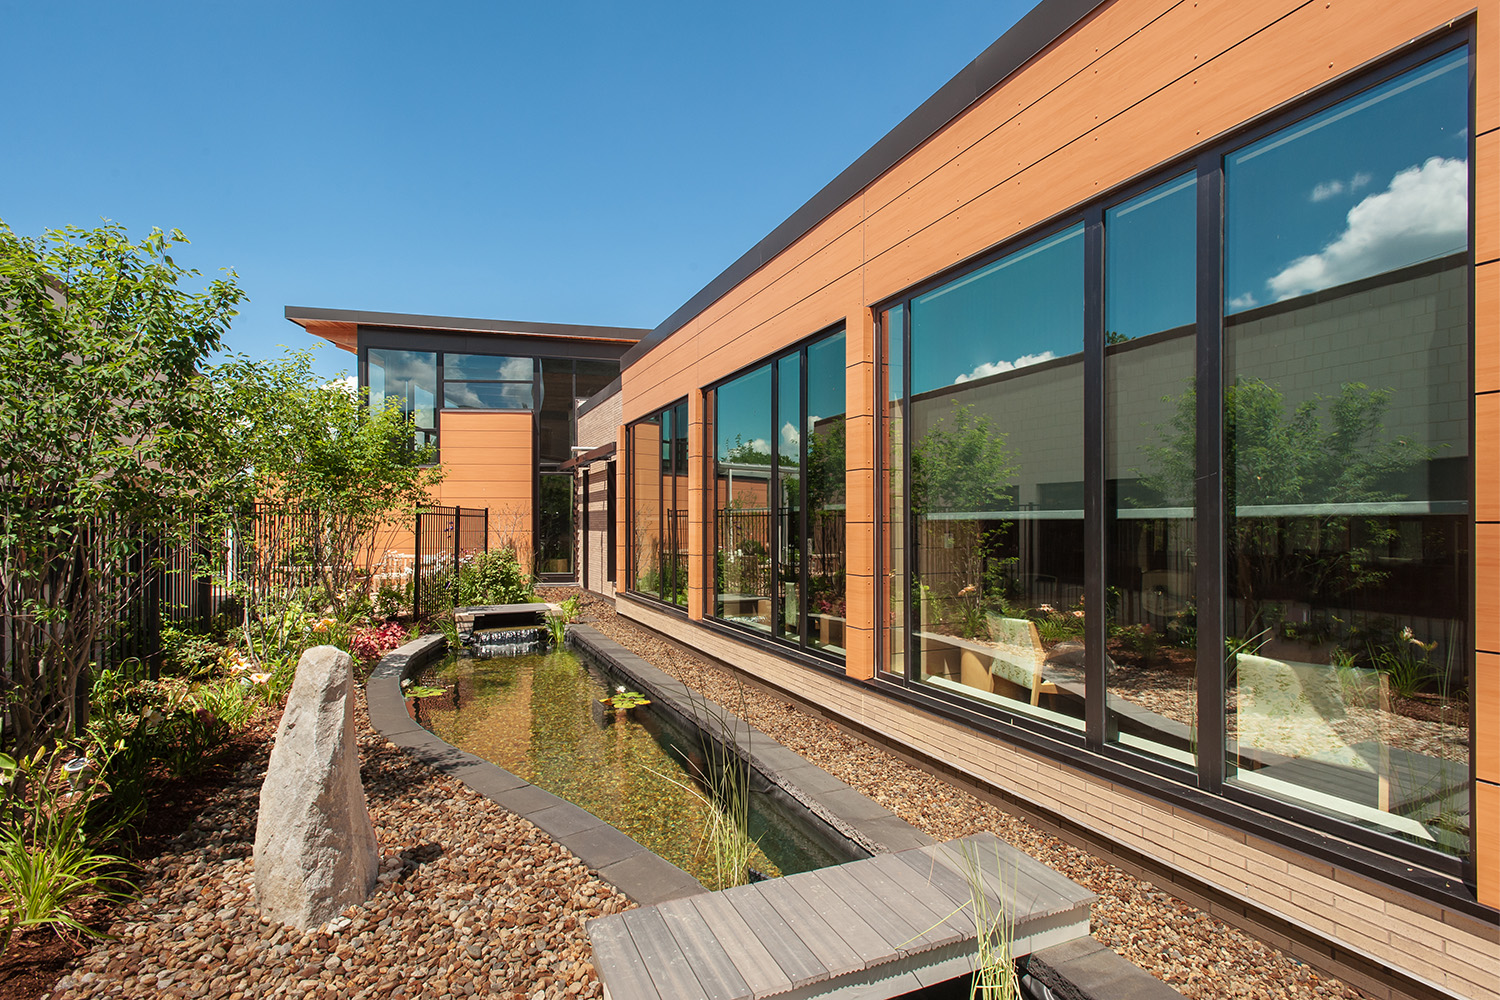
315	850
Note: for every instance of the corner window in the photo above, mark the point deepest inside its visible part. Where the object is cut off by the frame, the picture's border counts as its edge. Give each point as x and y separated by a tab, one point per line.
410	380
779	497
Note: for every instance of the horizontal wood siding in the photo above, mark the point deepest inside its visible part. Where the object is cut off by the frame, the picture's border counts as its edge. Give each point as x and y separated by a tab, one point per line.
1127	90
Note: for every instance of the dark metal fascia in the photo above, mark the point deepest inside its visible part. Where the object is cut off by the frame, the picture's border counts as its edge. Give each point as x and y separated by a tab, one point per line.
599	397
297	314
1040	27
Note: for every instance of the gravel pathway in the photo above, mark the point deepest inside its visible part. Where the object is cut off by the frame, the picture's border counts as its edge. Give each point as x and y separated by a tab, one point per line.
1198	955
472	901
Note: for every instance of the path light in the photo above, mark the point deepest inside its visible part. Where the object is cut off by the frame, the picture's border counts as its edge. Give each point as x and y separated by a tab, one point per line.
78	770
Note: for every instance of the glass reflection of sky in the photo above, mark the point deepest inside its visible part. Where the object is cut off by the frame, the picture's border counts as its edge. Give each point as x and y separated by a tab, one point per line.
409	378
1150	260
1376	183
1021	310
743	419
482	366
487	395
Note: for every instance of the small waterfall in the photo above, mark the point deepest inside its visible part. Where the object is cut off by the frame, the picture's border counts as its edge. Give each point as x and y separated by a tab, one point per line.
491	642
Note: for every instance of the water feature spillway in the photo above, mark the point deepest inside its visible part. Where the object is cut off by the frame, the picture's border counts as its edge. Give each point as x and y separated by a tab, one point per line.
507	642
538	715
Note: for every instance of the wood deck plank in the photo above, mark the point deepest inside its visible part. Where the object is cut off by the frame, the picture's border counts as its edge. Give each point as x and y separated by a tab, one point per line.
868	943
710	962
754	963
795	958
910	930
615	951
897	881
815	932
940	876
663	957
958	910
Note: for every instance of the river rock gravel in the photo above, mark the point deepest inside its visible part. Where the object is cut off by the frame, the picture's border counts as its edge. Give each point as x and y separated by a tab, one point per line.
1198	955
472	901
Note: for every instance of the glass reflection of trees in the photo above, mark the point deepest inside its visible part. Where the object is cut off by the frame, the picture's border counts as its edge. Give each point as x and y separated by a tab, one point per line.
997	481
779	496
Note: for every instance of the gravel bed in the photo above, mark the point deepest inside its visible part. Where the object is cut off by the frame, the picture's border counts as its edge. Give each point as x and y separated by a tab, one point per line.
1198	955
472	901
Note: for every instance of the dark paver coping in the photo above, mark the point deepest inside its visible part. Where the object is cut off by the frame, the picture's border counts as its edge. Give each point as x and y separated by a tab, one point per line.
643	876
1084	969
859	818
873	928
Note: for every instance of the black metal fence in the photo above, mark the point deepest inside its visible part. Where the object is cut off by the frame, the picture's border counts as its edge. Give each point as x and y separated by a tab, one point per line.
446	538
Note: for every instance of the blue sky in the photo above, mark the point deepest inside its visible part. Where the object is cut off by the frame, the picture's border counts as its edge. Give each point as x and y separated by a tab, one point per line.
571	162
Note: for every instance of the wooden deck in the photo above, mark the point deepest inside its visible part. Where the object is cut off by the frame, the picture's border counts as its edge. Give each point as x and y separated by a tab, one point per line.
874	928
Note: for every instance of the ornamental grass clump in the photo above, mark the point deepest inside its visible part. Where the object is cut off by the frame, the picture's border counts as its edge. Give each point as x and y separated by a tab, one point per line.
52	864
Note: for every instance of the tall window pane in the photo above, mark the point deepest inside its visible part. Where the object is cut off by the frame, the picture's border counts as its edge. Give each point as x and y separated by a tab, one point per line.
742	490
645	506
1347	460
823	429
789	495
1150	567
997	481
677	473
409	379
893	490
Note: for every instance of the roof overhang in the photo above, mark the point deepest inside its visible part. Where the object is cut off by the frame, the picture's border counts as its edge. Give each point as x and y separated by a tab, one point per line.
341	326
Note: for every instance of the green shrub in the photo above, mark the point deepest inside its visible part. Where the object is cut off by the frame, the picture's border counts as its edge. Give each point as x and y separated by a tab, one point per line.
51	863
188	650
494	577
392	601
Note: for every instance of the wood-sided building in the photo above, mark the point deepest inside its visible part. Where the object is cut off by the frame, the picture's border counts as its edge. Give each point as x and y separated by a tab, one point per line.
496	398
1118	434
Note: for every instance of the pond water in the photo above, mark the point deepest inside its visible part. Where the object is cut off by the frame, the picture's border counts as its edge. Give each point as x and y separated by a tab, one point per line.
538	716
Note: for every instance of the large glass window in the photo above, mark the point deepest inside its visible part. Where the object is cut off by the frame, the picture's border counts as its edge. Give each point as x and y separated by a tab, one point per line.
410	380
996	478
1346	459
1333	653
779	472
1150	246
742	499
658	505
482	381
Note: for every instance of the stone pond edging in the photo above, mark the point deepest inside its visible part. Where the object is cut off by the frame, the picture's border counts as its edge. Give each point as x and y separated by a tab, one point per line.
848	811
633	869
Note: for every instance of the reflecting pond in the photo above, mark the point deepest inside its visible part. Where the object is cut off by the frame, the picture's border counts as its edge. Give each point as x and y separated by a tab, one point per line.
539	716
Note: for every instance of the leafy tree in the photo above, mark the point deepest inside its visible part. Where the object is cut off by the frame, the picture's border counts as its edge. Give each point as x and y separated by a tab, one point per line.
335	472
105	438
1276	456
963	466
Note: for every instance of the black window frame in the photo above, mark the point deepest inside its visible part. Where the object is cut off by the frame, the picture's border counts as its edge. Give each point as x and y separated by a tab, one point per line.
773	362
631	555
1205	791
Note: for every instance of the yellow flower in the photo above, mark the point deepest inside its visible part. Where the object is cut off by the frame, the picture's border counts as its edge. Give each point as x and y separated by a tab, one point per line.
260	678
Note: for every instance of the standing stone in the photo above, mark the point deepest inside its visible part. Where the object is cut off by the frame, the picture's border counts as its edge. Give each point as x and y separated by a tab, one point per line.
315	850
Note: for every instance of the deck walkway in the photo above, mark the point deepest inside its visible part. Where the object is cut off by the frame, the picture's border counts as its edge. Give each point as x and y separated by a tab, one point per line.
874	928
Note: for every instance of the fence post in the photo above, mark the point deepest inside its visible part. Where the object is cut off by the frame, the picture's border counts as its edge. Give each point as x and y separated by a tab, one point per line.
486	529
458	531
416	570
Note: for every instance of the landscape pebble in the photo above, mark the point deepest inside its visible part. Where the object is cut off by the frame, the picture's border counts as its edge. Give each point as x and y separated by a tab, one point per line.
473	901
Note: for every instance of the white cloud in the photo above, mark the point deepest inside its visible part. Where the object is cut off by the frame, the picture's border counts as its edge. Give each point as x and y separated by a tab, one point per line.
996	367
790	436
1336	187
1242	301
1424	213
348	383
1328	189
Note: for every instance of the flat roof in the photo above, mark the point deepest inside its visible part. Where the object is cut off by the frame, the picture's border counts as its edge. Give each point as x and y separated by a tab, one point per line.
1040	27
328	322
